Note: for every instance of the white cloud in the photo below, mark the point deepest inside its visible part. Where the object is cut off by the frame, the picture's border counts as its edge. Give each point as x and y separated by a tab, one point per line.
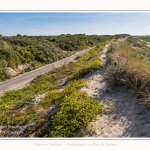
123	28
59	30
34	30
114	23
131	23
148	27
135	28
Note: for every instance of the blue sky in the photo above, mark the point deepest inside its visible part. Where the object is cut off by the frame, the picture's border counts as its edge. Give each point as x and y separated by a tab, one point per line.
56	23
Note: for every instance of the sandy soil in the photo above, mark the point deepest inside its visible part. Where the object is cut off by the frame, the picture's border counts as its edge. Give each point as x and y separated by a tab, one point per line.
125	117
11	71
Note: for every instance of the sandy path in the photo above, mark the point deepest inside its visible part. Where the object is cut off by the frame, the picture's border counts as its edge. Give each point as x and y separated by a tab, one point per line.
125	117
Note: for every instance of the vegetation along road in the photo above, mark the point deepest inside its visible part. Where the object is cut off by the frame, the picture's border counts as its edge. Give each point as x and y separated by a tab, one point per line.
22	80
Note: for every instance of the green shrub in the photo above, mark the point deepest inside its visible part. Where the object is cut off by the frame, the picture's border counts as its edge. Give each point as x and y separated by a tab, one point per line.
77	109
86	63
53	97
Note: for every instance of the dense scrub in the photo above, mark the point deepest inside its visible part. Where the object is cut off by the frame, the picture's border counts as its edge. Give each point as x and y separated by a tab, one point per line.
64	107
76	110
37	51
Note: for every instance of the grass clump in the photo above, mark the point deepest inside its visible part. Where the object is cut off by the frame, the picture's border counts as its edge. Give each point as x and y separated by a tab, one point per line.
87	63
130	68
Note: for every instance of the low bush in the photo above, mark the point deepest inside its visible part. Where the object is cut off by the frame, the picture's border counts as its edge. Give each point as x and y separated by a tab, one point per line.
77	109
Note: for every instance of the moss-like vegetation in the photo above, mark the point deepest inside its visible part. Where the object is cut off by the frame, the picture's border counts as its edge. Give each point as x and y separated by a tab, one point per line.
77	109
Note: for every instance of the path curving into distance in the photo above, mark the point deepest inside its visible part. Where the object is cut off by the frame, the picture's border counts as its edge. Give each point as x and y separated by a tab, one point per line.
125	117
22	80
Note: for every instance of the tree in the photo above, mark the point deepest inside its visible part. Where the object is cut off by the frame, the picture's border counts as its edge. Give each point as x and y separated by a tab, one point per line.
19	35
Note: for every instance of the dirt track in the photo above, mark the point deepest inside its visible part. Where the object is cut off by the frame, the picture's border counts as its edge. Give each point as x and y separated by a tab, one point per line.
125	117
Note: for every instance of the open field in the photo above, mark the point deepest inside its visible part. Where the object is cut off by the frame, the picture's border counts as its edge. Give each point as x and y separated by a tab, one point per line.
146	38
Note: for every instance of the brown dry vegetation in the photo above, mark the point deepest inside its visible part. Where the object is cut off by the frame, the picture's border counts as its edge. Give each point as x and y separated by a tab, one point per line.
129	67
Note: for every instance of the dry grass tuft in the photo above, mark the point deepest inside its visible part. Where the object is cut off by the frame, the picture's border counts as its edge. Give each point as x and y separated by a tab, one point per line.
128	67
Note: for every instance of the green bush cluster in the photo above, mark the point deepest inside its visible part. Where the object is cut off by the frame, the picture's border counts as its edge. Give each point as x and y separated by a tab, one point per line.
17	99
40	50
76	110
87	63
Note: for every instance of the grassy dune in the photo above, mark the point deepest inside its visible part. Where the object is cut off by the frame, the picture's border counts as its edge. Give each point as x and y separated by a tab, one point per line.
131	68
72	108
